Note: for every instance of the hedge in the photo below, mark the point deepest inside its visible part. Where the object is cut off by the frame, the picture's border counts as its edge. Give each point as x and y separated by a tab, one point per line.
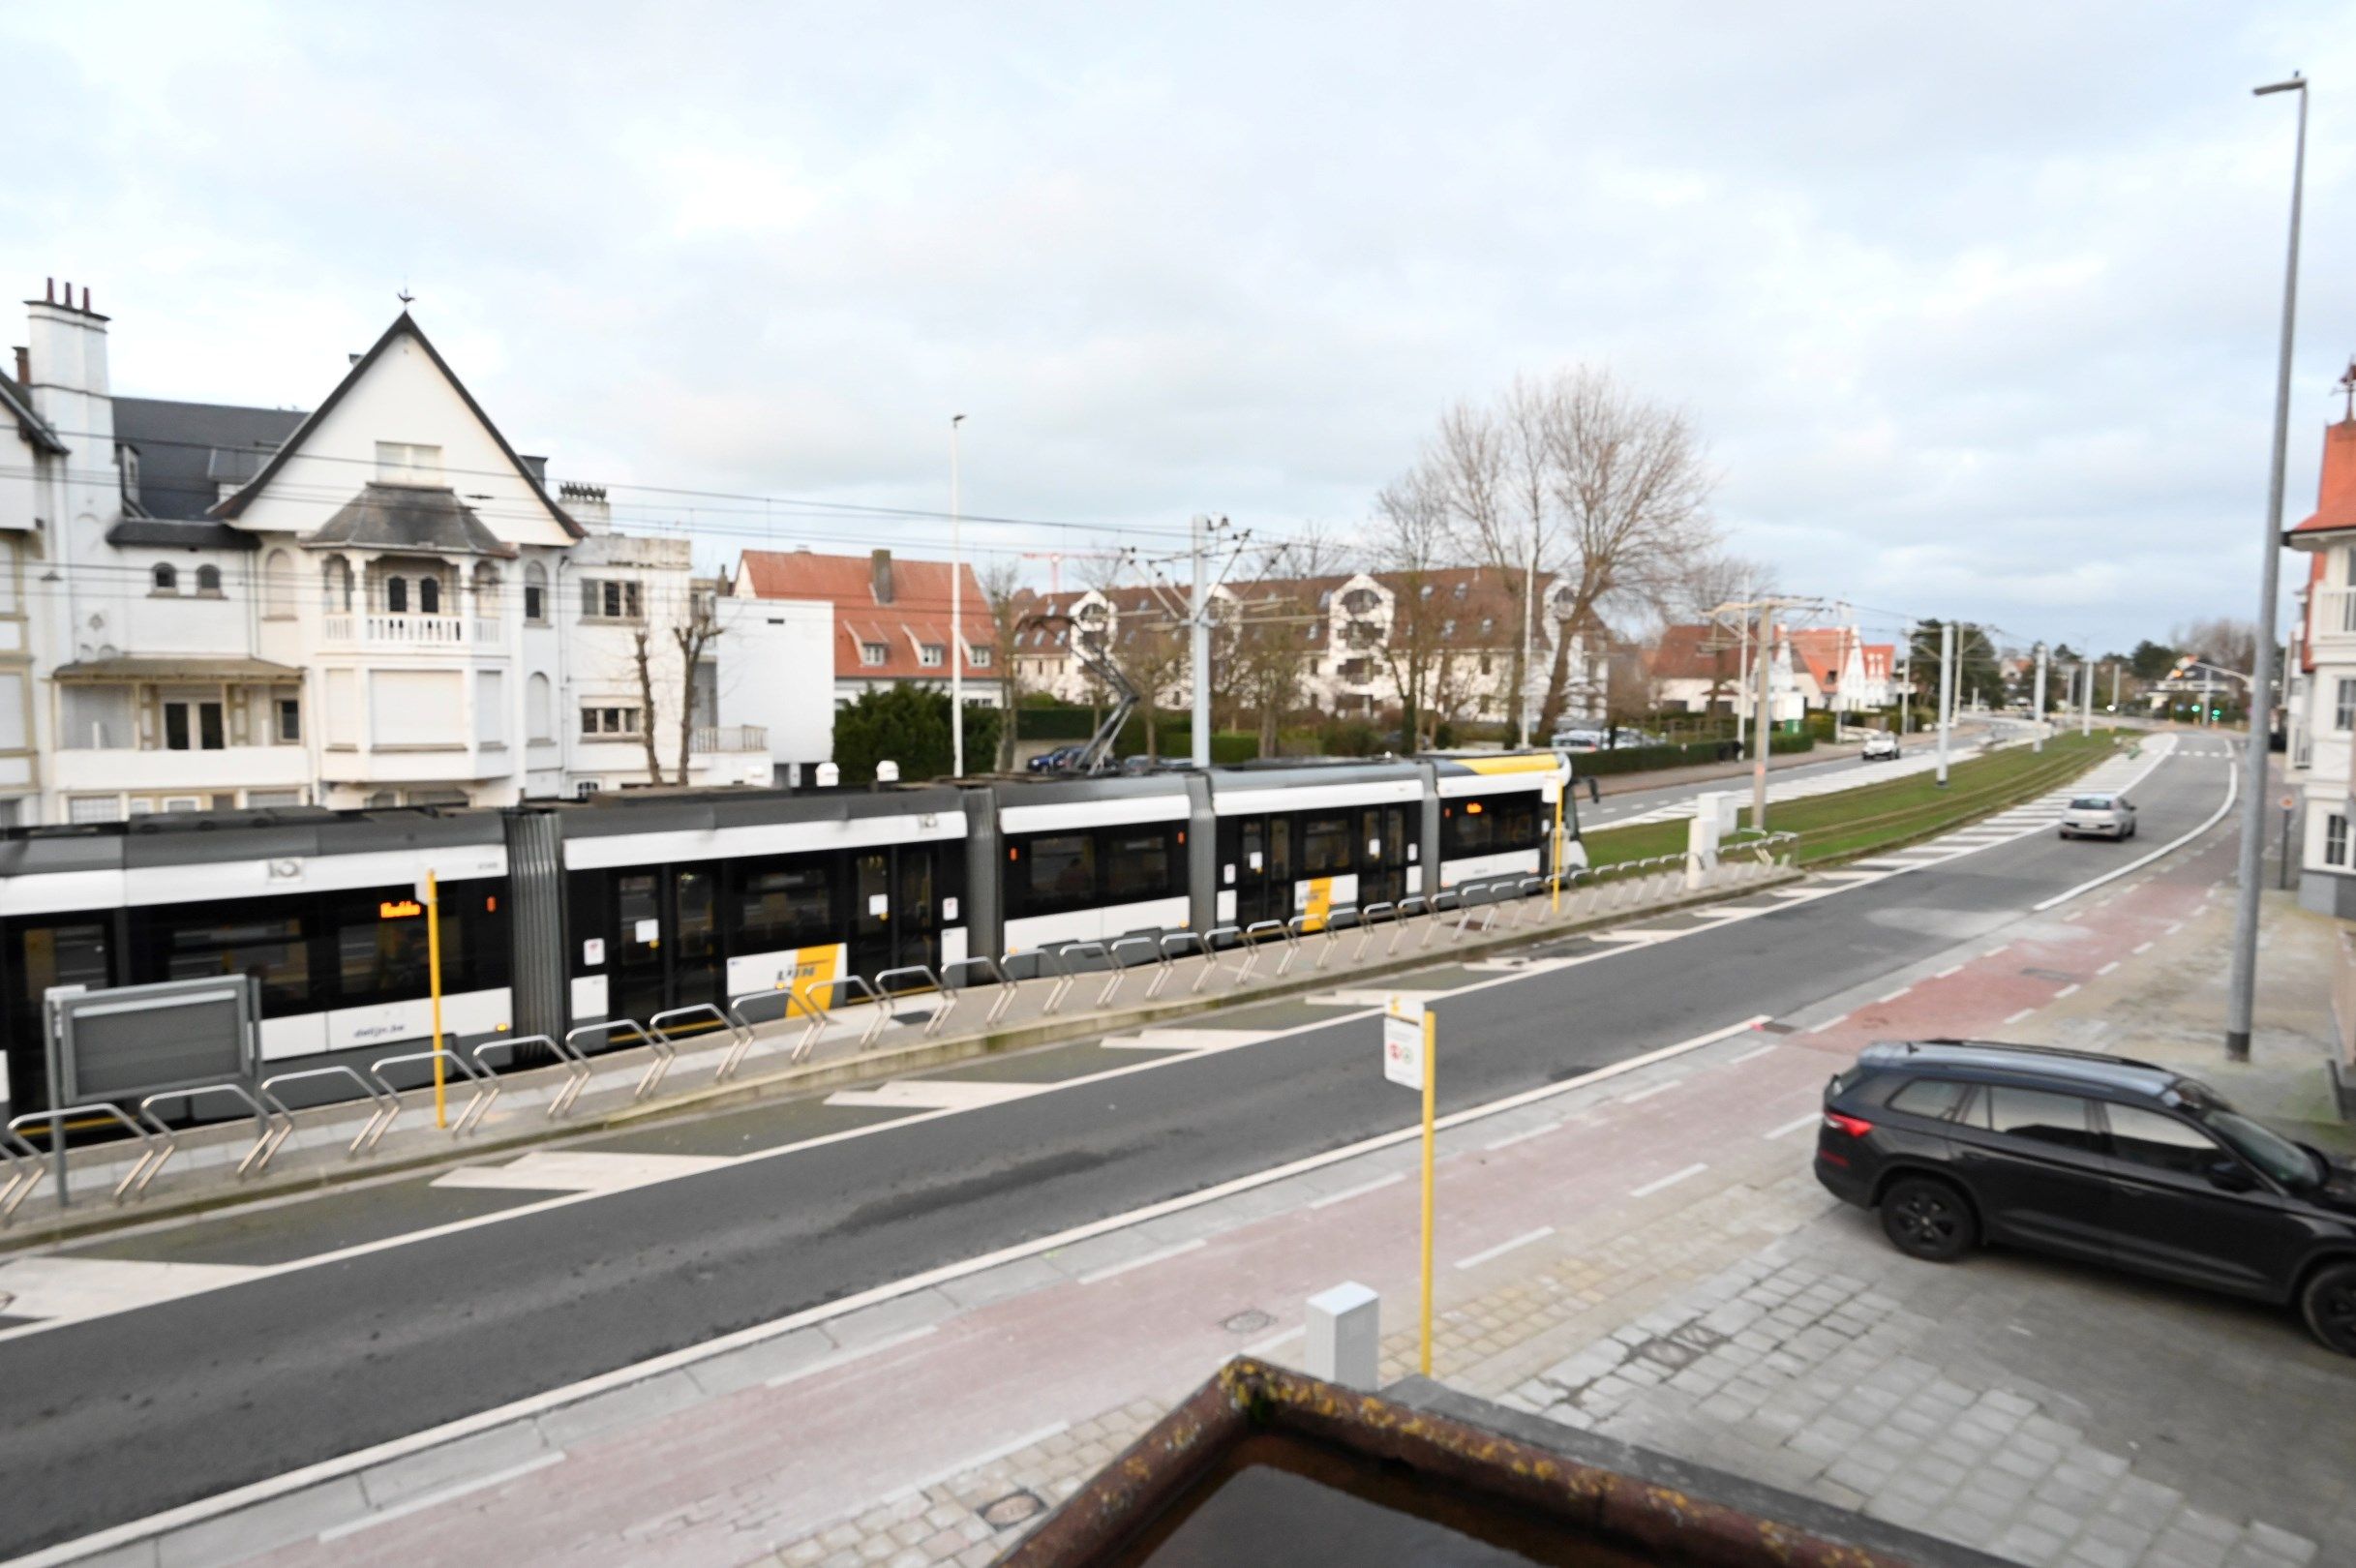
1647	759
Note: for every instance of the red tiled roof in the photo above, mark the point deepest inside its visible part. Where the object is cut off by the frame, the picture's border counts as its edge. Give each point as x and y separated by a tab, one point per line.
918	615
1881	659
1822	651
2335	495
1697	653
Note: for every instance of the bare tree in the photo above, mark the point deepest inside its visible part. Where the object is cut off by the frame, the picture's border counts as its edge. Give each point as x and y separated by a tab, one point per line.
1714	578
642	653
1414	544
1001	580
694	634
2223	641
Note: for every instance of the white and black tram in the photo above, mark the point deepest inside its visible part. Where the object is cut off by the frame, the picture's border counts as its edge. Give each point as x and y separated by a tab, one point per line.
554	916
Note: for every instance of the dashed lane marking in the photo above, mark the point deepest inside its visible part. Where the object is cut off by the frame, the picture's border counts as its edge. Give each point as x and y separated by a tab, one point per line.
1647	1094
1501	1143
2018	1016
1662	1184
1794	1125
845	1358
1375	1186
1163	1256
932	1094
580	1170
1526	1239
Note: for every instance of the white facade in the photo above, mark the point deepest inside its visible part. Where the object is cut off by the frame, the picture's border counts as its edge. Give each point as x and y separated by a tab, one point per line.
2319	702
376	604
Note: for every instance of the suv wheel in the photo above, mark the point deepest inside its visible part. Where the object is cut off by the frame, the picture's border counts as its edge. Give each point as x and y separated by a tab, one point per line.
1929	1220
2329	1305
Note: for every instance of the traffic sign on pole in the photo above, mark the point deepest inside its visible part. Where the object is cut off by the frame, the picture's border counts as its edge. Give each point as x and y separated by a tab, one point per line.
1410	1059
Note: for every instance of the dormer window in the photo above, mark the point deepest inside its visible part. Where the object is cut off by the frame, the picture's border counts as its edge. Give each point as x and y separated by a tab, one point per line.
874	655
978	657
931	655
408	463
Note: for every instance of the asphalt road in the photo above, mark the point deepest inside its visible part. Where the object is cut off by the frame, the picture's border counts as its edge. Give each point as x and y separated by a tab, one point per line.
1617	808
119	1417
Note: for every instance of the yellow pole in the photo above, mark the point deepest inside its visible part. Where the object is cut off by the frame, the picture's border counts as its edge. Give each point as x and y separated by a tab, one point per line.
432	965
1431	1079
1561	791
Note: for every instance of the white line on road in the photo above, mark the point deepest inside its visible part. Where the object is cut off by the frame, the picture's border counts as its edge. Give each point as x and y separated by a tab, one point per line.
1997	952
2233	784
1892	996
975	1461
846	1357
2107	968
2174	926
1756	1050
1647	1094
2071	989
1503	1248
1362	1189
1951	969
1792	1127
1150	1259
1829	1023
2018	1016
1275	1341
435	1500
1668	1181
2143	947
1506	1143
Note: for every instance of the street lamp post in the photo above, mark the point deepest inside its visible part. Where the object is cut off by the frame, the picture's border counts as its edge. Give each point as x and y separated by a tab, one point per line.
956	614
2242	994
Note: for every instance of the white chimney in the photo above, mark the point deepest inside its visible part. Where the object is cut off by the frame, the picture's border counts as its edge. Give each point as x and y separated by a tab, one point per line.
66	351
587	506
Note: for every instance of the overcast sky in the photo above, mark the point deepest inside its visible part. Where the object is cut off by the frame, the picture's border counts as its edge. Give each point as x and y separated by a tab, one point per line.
1976	309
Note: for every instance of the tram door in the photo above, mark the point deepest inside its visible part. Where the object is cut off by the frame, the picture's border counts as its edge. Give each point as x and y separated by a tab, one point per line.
1382	855
1262	858
668	953
894	909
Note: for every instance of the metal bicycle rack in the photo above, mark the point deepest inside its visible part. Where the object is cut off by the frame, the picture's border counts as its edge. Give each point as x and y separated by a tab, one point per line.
740	1033
1065	977
794	1003
1120	970
277	1119
998	975
1433	911
663	1051
875	1002
932	982
165	1141
1367	921
1210	956
577	1069
1169	961
1248	944
1333	933
26	1167
484	1086
1398	920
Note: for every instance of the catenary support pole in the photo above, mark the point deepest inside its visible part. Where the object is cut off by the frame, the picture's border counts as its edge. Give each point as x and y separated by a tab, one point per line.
2240	996
1198	653
1762	721
1947	692
433	970
2039	743
2086	701
1431	1103
957	614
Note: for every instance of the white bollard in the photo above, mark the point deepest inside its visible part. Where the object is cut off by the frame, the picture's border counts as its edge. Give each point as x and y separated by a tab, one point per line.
1701	837
1346	1337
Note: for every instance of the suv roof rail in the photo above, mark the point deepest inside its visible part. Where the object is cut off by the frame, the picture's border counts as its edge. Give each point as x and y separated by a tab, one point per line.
2031	1050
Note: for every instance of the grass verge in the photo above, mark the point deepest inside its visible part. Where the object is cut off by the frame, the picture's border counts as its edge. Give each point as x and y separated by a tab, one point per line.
1876	816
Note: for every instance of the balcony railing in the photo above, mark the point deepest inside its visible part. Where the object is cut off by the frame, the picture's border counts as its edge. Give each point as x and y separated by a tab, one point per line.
412	631
2335	612
728	737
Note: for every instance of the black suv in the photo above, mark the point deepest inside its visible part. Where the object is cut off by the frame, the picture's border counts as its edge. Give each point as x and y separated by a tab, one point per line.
2092	1157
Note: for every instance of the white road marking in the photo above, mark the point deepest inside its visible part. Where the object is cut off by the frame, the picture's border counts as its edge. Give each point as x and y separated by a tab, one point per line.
1370	998
1951	969
61	1288
934	1094
1756	1050
975	1461
2174	926
1790	1128
2107	968
1185	1039
2232	785
1501	1248
1503	1143
2143	947
1275	1341
2071	989
434	1499
1149	1260
1647	1094
580	1170
2018	1016
1364	1188
1892	996
1997	952
845	1358
1829	1024
1662	1184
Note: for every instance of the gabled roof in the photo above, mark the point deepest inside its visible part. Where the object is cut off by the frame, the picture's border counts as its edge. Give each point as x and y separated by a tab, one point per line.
2336	495
402	326
17	402
1824	652
1697	653
918	611
187	450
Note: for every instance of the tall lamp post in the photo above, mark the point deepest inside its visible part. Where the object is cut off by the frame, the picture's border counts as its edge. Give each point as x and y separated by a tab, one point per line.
957	614
2242	993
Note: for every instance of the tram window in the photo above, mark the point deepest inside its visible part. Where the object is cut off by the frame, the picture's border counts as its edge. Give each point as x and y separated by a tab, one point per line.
381	950
785	907
1136	863
1468	827
1326	847
64	955
1062	871
234	939
1280	849
1516	823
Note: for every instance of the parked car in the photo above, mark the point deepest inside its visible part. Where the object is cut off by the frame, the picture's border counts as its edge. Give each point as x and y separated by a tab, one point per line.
2098	816
2098	1158
1881	747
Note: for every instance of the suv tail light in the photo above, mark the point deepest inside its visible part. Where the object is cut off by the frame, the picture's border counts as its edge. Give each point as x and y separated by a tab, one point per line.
1855	1127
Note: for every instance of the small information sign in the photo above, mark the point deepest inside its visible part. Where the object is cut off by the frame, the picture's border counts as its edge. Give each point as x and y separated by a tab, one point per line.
1402	1048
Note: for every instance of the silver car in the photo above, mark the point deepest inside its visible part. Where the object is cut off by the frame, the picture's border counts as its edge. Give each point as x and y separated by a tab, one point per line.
2098	816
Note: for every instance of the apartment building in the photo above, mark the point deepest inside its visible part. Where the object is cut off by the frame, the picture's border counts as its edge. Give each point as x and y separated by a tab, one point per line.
2320	708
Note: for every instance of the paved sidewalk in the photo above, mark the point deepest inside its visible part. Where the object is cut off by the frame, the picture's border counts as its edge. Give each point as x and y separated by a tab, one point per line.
1645	1254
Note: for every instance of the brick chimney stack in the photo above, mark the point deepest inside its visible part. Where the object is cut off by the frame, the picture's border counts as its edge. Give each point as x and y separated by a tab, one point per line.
881	561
